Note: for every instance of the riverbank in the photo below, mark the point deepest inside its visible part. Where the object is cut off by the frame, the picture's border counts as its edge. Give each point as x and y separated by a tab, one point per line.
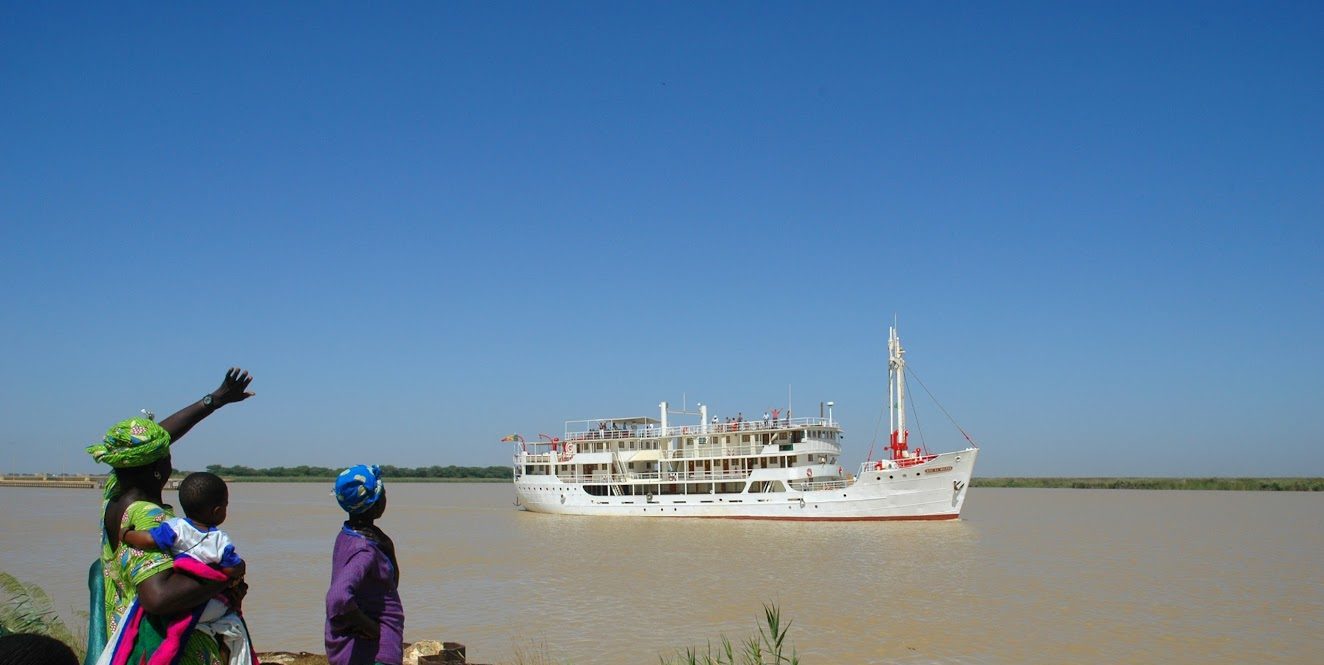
1305	484
48	481
424	652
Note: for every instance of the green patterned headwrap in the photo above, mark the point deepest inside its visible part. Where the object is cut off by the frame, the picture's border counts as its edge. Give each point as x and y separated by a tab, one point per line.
130	443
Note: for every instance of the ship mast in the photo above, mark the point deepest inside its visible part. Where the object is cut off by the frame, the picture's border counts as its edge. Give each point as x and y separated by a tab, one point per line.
896	388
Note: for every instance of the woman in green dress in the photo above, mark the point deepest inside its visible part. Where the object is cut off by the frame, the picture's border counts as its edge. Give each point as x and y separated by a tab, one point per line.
139	451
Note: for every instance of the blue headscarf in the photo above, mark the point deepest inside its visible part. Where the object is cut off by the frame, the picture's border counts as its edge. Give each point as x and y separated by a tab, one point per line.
359	487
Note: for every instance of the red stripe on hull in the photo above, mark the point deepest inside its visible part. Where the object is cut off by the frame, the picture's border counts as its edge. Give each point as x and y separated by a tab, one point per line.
898	518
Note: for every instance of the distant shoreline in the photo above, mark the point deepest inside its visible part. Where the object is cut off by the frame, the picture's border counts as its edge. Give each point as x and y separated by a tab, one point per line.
1305	484
48	481
1302	484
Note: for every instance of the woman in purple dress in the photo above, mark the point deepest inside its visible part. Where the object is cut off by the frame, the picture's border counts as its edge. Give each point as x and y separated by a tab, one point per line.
365	622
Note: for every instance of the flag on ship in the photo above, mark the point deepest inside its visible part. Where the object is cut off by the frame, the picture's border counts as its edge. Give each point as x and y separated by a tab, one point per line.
512	437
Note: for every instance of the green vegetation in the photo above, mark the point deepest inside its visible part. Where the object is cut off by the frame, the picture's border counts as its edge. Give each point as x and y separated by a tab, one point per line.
768	647
25	608
1239	484
315	473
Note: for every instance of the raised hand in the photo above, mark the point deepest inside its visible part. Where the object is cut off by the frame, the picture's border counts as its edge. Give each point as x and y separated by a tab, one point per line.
233	387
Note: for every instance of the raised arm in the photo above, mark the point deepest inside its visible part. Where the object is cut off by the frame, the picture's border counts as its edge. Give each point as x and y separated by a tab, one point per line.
233	389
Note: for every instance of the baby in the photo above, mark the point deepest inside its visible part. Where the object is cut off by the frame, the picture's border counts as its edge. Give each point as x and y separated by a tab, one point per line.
204	498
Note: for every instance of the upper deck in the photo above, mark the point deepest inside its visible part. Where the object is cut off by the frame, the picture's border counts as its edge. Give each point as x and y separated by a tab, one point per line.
607	429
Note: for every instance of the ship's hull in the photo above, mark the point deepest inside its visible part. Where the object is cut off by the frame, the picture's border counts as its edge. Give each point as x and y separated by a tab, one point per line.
934	490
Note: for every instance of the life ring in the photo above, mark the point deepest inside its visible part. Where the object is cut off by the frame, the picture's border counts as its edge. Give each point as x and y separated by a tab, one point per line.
878	466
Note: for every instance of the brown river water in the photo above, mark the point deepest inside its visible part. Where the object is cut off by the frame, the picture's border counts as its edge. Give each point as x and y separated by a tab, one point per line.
1026	576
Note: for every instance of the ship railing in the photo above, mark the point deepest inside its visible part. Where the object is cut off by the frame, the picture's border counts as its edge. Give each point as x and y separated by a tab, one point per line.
709	451
752	425
720	475
654	432
821	485
655	477
893	464
713	450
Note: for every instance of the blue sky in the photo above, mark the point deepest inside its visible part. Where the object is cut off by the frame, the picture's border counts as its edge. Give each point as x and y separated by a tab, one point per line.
423	226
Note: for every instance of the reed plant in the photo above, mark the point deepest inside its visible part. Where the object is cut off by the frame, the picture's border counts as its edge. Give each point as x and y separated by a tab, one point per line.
26	608
535	653
767	647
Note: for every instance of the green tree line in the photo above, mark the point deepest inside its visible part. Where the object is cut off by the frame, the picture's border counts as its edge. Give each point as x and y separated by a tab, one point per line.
1237	484
388	471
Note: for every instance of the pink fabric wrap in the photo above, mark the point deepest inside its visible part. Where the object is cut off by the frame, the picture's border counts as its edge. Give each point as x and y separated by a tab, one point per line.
199	569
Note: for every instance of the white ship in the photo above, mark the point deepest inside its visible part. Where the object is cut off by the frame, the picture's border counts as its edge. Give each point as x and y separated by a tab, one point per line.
781	468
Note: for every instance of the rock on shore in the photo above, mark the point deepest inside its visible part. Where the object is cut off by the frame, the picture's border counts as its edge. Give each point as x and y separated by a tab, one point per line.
412	652
287	658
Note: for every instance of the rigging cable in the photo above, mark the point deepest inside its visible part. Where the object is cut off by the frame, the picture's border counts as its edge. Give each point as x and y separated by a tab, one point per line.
914	411
877	424
940	406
